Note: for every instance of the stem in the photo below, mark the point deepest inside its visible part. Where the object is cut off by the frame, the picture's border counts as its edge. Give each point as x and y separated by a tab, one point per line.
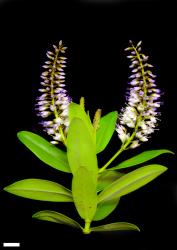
62	135
123	147
86	229
52	84
143	74
112	159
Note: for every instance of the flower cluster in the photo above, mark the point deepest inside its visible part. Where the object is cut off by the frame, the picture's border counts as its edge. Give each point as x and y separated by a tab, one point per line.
140	113
53	102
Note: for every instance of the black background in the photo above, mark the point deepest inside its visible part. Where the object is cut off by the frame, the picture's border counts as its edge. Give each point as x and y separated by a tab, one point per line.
96	35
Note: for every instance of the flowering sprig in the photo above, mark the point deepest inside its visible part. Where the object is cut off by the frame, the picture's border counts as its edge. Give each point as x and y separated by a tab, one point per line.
95	191
139	118
54	101
140	113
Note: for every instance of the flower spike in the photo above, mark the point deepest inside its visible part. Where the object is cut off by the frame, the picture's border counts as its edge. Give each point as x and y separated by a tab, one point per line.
140	113
54	101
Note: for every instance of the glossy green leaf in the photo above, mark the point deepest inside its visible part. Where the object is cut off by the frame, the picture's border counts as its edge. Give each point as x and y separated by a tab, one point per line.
77	111
56	217
106	178
80	148
38	189
131	181
117	226
105	131
141	158
105	208
45	151
84	193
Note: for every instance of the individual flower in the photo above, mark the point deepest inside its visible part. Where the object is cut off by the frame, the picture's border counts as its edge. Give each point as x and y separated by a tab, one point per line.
52	104
139	118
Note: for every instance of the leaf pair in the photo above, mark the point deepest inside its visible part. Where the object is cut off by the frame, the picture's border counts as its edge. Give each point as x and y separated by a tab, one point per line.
55	157
82	159
56	217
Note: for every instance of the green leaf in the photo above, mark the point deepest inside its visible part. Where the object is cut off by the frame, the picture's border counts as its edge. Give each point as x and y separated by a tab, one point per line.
105	208
84	193
105	131
131	181
56	217
117	226
77	111
80	148
106	178
42	190
45	151
140	158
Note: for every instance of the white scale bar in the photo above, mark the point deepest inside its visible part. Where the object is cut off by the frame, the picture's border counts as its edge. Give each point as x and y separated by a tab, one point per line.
13	244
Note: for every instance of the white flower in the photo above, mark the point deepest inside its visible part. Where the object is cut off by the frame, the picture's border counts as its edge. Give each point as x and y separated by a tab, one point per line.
134	144
122	132
58	120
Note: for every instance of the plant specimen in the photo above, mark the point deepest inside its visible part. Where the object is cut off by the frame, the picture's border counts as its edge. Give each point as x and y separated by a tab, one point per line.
95	190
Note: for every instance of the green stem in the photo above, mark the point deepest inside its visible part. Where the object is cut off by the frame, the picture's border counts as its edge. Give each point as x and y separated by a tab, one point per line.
86	229
143	74
123	147
112	159
62	135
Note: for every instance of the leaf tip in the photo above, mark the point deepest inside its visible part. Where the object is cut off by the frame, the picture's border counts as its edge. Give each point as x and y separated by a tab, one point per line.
19	134
136	228
7	188
35	216
163	169
171	152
